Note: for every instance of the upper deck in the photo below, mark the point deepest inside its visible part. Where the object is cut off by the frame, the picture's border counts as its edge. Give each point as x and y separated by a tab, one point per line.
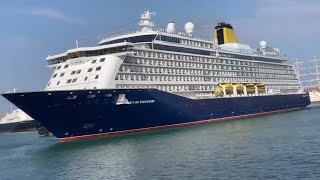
171	40
158	36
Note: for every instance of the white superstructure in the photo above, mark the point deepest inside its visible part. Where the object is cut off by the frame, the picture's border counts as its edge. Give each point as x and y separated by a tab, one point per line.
16	115
314	96
171	61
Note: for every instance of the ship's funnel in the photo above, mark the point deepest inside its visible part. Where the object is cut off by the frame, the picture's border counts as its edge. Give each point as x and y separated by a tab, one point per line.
170	27
223	34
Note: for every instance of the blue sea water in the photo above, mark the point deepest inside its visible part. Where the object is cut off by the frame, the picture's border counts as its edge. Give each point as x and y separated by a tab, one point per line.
279	146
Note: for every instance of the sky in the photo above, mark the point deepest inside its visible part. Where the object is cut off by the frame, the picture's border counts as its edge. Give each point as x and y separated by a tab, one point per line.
30	30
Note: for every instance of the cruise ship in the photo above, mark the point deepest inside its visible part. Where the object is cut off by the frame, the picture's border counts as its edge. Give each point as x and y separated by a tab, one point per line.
154	78
17	121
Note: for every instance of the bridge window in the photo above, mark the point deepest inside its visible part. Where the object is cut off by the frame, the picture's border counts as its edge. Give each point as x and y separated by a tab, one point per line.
55	75
170	39
58	67
74	80
79	71
68	81
66	66
62	74
145	38
73	72
102	59
93	61
98	68
90	69
97	76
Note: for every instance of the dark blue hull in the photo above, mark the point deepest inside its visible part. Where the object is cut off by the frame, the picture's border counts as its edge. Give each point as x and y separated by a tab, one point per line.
86	113
18	126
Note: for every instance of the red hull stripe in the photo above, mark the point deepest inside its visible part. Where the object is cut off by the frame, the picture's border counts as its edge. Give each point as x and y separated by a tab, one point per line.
169	126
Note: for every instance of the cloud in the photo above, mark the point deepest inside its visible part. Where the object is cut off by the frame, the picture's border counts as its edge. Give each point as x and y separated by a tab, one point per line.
53	14
289	21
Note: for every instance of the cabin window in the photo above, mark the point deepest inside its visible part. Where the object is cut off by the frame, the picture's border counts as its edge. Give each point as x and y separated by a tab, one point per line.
58	67
62	74
79	71
73	72
58	82
85	78
102	59
74	80
98	68
69	81
49	83
66	66
90	69
97	76
55	75
93	61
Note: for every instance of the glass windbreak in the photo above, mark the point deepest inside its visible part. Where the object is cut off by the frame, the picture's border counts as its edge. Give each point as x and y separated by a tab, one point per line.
99	52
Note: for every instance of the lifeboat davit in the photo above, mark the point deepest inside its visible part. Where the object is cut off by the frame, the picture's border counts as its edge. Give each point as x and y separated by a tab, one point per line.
218	92
227	87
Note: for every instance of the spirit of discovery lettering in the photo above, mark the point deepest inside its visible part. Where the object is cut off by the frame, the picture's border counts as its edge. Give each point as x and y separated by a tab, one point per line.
142	102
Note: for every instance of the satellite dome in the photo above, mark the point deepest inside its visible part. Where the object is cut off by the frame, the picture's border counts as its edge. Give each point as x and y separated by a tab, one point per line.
263	44
189	28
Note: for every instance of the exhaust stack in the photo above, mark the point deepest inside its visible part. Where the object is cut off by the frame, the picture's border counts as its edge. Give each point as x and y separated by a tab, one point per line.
224	34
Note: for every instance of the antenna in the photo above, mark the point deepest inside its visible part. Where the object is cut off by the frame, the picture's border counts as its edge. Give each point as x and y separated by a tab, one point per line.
77	45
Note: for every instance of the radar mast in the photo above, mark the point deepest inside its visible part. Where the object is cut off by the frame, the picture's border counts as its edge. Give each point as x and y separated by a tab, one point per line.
146	22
